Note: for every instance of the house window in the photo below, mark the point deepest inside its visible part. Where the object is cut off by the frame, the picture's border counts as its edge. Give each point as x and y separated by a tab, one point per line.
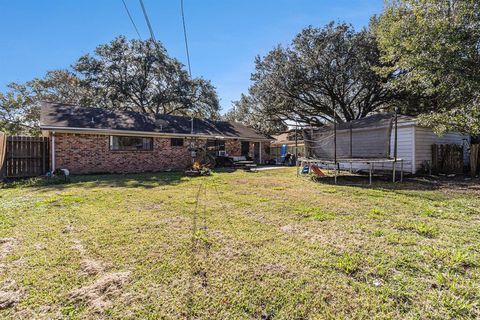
124	143
176	142
216	147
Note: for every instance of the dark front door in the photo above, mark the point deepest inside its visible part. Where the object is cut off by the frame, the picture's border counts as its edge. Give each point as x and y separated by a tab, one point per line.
245	148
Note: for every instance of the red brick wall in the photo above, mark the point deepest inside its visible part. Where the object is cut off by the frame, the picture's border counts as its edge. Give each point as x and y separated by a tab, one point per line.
233	148
265	148
82	153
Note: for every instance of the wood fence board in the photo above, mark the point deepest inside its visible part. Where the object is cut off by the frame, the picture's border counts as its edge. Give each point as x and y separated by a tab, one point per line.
26	156
447	158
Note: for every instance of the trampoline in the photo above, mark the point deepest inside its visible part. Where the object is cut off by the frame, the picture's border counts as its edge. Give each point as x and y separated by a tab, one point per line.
365	143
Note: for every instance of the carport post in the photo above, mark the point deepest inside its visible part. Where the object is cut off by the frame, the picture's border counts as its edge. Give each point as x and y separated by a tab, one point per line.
260	153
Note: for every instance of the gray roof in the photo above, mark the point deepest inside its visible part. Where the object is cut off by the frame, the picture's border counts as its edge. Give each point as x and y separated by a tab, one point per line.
373	121
70	117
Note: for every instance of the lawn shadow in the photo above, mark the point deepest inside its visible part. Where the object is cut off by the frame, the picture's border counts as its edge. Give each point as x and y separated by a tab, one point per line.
131	180
145	180
409	183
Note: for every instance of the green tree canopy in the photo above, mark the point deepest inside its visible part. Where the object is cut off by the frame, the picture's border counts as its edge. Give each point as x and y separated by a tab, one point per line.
140	76
248	111
123	74
323	71
17	113
432	47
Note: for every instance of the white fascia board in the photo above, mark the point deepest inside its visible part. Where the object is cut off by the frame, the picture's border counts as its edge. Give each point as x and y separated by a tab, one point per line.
141	133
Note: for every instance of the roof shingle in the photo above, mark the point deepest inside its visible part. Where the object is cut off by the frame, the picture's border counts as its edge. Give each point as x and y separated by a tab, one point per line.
71	117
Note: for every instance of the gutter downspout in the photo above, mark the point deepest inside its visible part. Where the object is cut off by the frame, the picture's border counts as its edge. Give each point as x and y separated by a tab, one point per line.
53	151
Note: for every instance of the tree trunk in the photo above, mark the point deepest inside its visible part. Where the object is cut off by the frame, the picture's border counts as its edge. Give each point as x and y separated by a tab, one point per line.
474	159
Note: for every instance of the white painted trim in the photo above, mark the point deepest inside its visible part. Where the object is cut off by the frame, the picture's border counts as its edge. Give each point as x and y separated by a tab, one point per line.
53	151
141	133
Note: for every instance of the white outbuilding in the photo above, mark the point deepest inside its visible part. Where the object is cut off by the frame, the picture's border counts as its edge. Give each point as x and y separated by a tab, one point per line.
357	144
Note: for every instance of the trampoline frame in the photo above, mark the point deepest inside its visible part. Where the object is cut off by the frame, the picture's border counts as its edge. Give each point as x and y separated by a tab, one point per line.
368	161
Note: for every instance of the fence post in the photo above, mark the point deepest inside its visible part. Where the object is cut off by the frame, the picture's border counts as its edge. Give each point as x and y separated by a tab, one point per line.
3	155
474	159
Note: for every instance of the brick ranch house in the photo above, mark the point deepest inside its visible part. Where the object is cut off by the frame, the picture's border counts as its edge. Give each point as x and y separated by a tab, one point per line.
93	140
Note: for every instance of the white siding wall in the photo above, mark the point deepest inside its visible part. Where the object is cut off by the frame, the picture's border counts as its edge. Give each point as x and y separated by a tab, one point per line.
406	136
404	151
369	143
425	138
414	147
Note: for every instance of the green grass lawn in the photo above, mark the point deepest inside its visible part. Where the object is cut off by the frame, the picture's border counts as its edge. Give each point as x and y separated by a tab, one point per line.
238	245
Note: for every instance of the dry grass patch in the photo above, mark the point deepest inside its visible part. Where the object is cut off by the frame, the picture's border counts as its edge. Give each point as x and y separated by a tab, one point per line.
250	246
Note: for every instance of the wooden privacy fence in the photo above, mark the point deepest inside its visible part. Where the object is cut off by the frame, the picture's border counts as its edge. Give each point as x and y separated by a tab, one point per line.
447	158
25	157
3	150
474	159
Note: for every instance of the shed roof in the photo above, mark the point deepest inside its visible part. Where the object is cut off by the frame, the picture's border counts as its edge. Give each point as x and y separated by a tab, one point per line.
378	120
59	116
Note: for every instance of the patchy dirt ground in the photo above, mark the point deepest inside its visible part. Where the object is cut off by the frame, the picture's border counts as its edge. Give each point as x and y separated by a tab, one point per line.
98	295
240	245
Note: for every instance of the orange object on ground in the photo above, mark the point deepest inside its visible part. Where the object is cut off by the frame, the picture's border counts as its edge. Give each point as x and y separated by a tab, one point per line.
317	170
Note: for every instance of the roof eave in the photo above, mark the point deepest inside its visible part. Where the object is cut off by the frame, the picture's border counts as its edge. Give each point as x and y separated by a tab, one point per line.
143	133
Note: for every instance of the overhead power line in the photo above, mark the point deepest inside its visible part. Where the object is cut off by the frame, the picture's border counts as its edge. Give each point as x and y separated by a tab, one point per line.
186	38
131	20
152	36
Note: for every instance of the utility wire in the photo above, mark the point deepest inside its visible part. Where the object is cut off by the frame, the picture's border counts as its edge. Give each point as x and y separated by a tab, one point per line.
131	20
152	36
186	38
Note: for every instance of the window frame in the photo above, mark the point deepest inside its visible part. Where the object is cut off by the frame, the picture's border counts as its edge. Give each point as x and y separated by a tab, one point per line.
111	148
175	145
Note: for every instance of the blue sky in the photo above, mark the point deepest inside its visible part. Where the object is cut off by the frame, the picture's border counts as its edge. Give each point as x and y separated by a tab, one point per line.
224	35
